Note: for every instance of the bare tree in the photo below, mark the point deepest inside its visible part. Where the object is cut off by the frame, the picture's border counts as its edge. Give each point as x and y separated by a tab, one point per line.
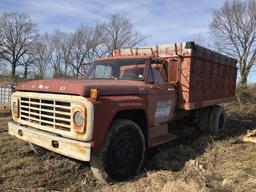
61	44
66	46
118	32
86	40
3	69
199	39
17	34
27	61
53	42
234	30
41	58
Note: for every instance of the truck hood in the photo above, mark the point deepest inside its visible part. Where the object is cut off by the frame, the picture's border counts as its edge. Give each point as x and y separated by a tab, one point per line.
82	87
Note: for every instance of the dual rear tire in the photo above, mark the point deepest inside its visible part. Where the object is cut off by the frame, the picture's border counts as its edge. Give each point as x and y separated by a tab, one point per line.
212	120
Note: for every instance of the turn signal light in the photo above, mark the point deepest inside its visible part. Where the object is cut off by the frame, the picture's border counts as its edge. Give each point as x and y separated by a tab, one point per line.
15	108
94	94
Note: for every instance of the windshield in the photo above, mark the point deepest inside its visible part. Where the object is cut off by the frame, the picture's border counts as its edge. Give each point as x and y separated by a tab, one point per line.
118	69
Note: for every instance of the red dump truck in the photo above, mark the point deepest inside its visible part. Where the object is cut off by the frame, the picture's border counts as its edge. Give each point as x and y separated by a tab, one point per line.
125	105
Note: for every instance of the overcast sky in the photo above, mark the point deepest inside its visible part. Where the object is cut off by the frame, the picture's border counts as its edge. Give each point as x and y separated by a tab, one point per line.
164	21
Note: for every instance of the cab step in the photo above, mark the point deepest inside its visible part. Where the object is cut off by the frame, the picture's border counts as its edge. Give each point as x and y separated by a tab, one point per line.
162	139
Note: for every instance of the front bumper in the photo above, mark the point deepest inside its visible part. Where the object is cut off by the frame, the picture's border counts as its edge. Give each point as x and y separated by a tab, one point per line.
67	147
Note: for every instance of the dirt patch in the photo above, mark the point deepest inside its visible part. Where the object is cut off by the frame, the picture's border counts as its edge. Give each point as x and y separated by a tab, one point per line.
192	163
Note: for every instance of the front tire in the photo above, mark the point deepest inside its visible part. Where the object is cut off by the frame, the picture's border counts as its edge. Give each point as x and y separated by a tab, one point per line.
122	153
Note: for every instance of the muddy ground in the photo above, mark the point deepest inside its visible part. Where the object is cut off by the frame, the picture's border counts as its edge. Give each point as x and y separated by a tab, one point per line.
194	162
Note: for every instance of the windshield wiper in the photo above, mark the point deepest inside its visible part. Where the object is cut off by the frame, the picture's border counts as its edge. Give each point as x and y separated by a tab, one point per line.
112	77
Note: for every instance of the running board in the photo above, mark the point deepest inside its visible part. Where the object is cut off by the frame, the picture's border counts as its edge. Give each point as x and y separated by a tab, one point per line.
162	139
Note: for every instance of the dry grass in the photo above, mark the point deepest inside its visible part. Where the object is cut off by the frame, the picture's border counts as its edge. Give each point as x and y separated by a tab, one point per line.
245	105
4	108
196	163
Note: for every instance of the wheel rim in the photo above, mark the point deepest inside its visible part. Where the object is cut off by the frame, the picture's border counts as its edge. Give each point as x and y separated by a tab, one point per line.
125	155
124	151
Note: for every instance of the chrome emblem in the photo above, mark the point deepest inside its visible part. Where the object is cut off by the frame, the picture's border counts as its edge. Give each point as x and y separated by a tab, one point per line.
62	88
43	86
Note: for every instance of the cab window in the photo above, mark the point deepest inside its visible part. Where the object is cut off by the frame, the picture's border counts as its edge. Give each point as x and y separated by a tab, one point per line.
157	73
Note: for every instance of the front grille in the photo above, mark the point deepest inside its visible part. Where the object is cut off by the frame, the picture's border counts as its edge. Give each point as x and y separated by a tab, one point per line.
46	113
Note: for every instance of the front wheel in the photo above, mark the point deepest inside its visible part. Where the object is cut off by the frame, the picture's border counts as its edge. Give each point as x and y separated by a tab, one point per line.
122	153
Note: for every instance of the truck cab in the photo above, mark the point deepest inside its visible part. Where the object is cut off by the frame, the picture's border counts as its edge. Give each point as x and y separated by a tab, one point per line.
121	108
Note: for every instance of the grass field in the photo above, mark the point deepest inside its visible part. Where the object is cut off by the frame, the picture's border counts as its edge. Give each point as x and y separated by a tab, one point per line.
192	163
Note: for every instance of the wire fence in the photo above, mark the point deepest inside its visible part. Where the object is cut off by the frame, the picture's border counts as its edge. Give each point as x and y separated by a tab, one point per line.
6	90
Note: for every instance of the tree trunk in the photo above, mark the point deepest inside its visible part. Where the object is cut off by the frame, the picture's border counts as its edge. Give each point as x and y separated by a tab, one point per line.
243	80
13	70
25	74
65	71
77	73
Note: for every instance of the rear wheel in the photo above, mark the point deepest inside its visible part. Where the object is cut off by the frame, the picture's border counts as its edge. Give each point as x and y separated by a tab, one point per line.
204	119
122	154
212	120
217	120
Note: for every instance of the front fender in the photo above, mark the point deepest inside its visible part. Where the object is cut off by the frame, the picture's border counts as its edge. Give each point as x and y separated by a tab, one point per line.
105	110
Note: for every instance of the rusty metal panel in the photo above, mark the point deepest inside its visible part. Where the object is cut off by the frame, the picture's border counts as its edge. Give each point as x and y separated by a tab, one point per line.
205	76
162	51
212	78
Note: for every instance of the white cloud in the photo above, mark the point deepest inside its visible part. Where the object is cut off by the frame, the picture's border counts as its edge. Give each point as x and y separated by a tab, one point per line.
164	20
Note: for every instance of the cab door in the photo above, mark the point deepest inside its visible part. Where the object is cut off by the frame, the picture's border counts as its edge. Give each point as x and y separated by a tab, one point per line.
161	104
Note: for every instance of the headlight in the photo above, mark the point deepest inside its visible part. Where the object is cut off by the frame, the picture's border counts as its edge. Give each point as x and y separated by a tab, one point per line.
78	118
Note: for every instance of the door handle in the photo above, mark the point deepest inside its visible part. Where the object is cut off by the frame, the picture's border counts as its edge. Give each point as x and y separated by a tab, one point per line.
170	89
